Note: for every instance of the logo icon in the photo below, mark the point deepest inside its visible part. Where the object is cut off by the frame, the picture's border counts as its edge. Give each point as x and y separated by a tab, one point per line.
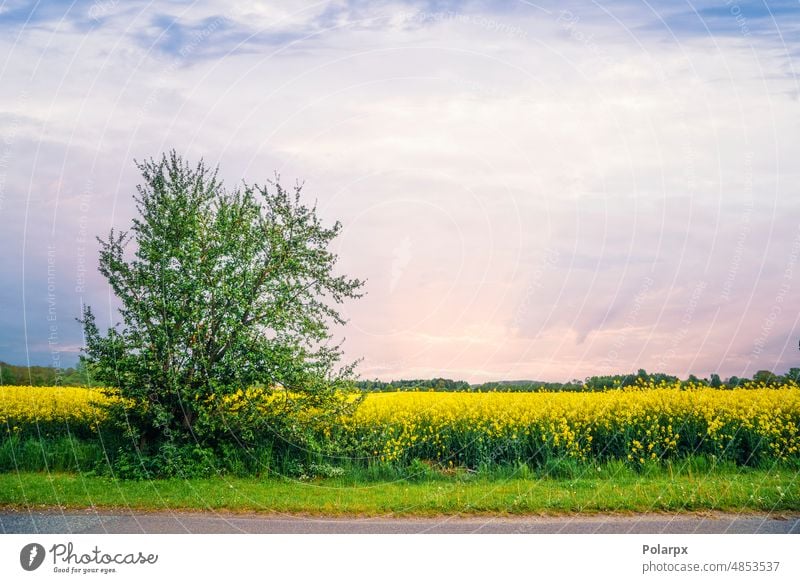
31	556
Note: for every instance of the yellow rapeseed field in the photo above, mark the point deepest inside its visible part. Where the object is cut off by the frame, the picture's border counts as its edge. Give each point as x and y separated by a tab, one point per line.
49	408
650	422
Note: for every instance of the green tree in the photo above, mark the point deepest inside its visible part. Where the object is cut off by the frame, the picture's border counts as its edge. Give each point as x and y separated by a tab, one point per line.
765	376
220	290
734	381
793	374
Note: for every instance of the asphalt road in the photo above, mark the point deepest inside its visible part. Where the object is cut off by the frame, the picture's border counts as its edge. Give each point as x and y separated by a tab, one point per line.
100	521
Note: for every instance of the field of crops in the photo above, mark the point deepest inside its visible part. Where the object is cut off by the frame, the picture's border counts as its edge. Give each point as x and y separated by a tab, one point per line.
648	424
49	410
747	425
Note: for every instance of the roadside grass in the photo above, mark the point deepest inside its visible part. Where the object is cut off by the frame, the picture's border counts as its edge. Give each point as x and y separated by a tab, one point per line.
59	454
613	488
73	473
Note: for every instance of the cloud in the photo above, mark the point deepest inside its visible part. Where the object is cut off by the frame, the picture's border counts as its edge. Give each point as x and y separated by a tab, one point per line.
531	192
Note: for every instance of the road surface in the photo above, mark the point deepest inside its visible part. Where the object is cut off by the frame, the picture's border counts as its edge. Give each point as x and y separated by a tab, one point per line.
135	522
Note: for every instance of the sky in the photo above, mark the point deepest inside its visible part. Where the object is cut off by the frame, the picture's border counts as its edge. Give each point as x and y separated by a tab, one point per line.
532	190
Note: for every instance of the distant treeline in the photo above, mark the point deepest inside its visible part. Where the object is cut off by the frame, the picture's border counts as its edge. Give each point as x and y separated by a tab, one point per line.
590	384
43	376
412	385
77	377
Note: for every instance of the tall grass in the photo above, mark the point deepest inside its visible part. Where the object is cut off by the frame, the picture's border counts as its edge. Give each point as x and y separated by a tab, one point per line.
55	454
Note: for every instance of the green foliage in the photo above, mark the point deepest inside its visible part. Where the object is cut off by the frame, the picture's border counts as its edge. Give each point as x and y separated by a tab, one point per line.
52	454
44	376
767	377
294	469
220	290
527	386
79	377
419	471
436	384
171	459
560	468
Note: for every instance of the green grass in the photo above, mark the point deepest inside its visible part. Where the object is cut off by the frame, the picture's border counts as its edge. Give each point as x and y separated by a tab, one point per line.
613	488
59	454
77	477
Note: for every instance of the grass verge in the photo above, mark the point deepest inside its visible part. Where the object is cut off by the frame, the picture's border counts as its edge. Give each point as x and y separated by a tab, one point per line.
674	490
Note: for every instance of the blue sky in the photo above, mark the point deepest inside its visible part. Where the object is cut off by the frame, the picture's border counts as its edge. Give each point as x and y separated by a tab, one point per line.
531	189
